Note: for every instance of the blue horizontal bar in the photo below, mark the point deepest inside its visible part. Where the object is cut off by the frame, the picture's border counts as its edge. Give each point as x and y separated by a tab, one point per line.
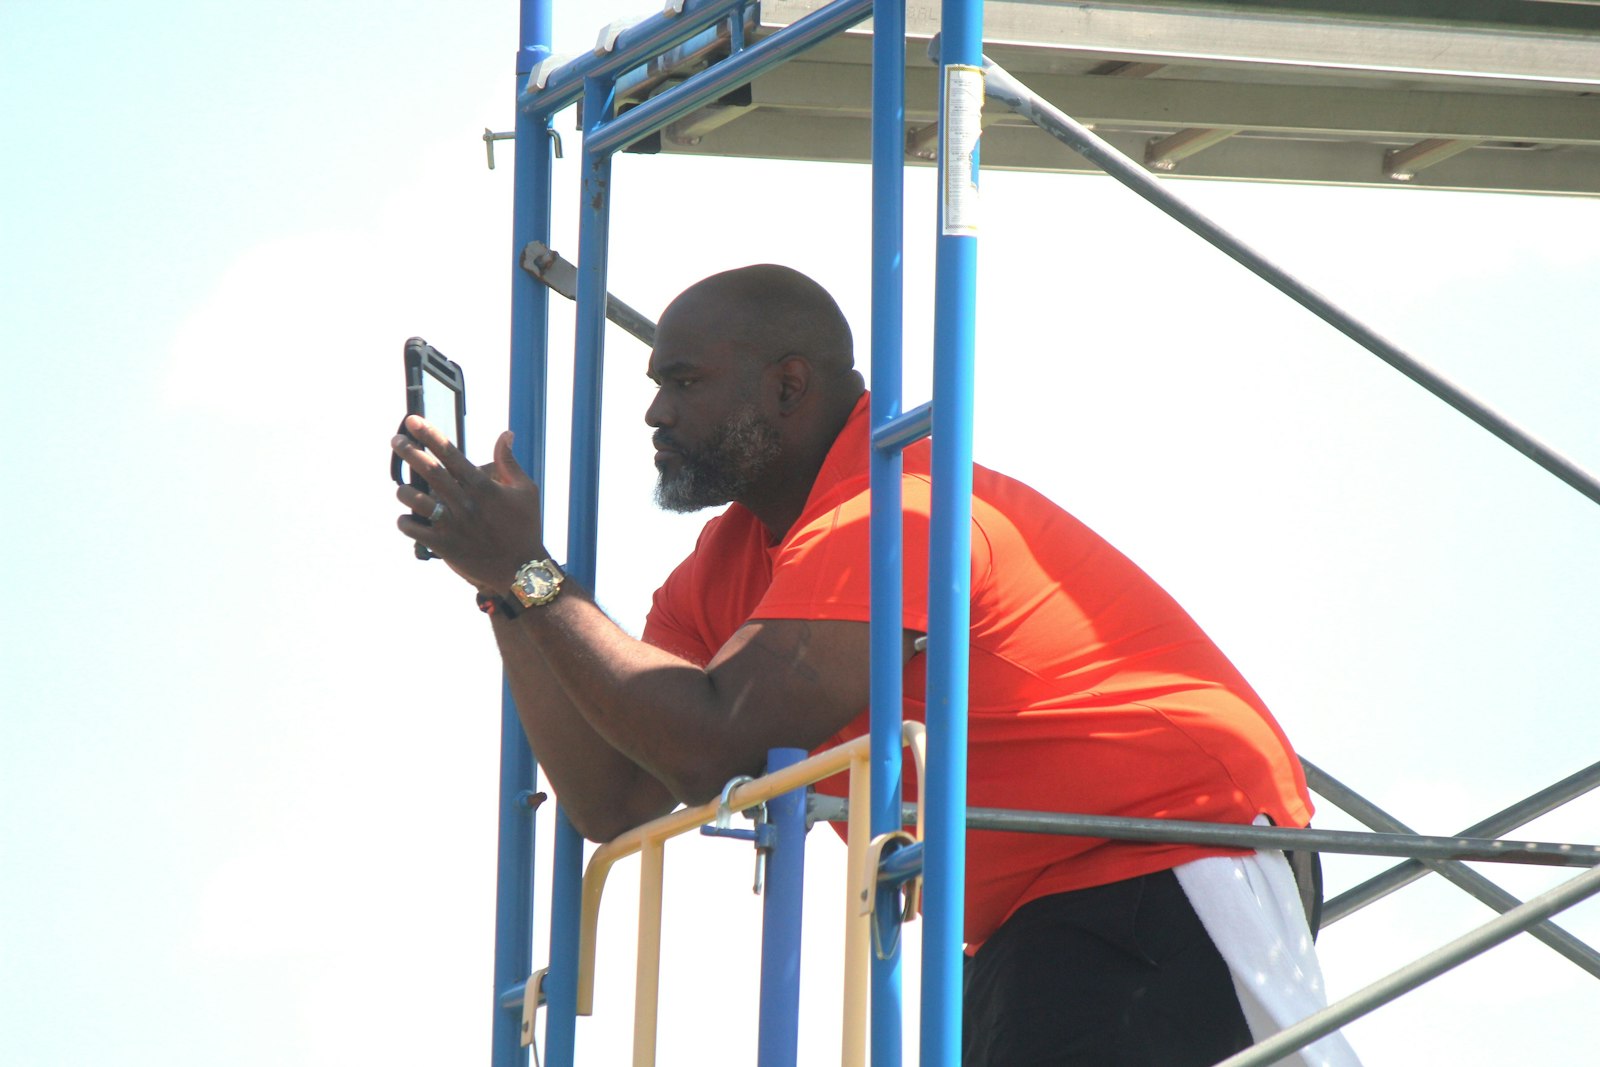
728	831
635	45
726	76
903	430
512	996
632	79
901	865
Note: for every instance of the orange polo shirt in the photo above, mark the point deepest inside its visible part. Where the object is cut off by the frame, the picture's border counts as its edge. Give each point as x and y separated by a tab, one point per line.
1091	690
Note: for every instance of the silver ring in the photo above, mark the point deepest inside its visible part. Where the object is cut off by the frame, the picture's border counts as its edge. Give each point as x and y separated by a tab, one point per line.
438	511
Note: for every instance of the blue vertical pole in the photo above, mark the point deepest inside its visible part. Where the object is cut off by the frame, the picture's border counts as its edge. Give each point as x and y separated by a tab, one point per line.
594	228
779	1033
949	604
594	224
530	221
888	287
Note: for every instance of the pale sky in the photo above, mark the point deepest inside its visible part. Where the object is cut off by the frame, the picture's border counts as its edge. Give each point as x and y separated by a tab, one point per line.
248	749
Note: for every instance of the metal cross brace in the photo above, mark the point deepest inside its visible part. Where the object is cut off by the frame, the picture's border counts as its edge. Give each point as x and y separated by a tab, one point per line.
1452	870
1501	822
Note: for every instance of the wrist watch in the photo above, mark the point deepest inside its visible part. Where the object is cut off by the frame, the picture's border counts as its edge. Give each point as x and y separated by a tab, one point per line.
537	583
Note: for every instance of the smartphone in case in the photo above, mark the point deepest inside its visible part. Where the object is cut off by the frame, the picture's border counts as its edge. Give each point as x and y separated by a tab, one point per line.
436	389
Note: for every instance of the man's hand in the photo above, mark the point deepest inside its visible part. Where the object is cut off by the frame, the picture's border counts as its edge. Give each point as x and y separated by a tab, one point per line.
485	520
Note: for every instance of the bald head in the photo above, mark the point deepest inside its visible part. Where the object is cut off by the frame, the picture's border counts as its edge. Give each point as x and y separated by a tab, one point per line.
754	382
767	312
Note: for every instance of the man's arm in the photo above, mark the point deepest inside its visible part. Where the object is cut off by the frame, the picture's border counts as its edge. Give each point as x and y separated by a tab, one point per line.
622	712
777	682
624	729
602	791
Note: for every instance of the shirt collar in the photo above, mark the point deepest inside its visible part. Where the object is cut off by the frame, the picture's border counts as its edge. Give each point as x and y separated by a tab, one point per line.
845	463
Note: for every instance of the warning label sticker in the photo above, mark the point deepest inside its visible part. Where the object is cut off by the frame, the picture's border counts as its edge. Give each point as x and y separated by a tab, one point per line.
963	124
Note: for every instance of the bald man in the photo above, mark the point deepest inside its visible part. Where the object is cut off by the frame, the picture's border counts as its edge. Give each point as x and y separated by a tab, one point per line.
1091	690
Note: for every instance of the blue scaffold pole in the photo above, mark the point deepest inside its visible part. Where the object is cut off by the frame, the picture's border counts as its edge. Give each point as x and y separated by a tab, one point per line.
530	221
950	537
888	290
778	1043
594	223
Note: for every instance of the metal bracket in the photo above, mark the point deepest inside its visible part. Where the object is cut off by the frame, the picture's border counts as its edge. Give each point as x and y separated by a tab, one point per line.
1125	69
490	137
692	130
609	33
561	275
1164	153
899	839
1403	164
763	836
541	73
911	900
532	997
922	142
724	811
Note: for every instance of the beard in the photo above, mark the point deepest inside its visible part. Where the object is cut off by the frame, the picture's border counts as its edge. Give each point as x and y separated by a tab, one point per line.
733	460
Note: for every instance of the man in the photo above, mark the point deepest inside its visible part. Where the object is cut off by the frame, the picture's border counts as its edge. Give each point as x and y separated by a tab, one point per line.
1091	690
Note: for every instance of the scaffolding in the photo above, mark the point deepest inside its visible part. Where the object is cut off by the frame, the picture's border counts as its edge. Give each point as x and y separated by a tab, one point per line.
692	78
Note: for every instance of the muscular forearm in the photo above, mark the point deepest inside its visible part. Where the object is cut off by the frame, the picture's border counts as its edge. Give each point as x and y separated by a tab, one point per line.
659	712
602	791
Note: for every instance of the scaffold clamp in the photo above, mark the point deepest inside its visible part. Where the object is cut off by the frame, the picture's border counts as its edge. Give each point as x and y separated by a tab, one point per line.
911	890
763	835
532	997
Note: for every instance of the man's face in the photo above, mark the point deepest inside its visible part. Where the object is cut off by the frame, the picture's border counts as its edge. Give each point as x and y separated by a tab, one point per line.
713	442
731	461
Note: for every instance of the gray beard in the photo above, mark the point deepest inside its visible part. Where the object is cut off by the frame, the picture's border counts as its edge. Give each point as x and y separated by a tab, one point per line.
734	459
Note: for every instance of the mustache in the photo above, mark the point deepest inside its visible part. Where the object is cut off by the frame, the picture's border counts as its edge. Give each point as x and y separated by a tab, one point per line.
664	442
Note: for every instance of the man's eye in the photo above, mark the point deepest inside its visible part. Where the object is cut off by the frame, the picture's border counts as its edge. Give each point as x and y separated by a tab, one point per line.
683	383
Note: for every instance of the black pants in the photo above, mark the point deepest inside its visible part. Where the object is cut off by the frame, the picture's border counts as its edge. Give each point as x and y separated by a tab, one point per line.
1120	975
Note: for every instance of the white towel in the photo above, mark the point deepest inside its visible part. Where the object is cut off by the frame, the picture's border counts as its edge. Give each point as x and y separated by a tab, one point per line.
1251	909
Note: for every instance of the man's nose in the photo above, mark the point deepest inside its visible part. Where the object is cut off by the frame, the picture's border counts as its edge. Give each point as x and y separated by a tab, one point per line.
658	413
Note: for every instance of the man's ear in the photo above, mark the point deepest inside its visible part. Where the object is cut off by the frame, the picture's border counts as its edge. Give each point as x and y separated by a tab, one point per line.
794	381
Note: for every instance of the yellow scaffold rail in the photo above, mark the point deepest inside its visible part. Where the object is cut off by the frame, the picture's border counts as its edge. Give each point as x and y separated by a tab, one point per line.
649	841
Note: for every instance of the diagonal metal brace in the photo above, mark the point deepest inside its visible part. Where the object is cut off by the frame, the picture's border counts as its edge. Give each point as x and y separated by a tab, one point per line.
1474	943
1165	153
1501	822
1003	88
1403	164
1461	875
561	276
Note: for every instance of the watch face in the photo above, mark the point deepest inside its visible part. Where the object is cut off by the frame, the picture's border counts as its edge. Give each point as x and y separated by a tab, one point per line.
537	583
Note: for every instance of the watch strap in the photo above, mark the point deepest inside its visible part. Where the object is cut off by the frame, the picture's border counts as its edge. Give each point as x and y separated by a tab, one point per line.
492	605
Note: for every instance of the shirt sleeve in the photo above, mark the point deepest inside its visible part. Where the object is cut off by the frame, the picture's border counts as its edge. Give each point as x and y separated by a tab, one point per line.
822	571
670	624
710	594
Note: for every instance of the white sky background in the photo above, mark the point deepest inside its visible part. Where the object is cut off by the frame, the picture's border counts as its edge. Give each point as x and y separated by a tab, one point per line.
248	747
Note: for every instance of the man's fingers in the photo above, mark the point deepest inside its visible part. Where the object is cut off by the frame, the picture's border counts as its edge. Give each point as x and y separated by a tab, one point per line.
439	479
448	454
419	502
483	520
414	528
